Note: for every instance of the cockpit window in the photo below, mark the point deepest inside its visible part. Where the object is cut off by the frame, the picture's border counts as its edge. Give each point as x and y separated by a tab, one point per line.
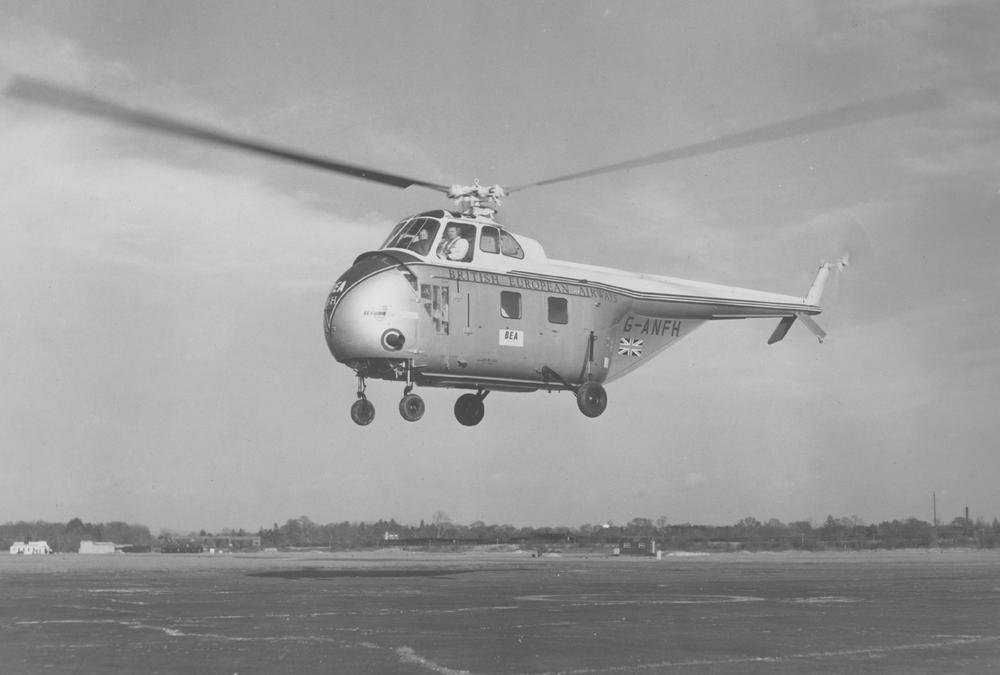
400	226
416	235
509	246
456	244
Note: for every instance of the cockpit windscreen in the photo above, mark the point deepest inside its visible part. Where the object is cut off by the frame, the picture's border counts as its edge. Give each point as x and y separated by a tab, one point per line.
415	235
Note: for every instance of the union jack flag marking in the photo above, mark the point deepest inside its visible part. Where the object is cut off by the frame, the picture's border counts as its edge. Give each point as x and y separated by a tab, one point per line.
629	347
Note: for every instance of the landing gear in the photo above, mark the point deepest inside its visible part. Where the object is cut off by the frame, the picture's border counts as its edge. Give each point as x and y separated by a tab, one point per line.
591	399
362	412
469	408
411	407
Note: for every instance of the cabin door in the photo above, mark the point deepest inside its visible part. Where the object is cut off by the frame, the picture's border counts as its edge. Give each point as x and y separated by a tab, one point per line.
560	333
462	332
574	347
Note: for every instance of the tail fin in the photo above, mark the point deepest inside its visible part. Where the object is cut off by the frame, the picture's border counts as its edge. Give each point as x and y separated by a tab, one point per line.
812	298
816	290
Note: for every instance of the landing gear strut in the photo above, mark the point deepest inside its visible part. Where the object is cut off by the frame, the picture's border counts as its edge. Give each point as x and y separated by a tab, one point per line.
362	412
469	408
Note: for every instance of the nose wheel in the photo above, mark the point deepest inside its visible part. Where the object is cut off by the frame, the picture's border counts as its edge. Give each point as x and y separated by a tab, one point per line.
411	407
362	412
469	408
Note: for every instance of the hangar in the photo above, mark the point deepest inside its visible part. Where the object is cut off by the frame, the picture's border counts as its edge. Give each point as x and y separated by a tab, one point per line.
91	547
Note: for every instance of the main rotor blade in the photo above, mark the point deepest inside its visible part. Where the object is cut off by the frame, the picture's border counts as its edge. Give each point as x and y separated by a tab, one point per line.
80	102
857	113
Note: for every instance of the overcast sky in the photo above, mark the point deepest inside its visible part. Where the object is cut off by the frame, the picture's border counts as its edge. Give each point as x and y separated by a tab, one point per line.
162	351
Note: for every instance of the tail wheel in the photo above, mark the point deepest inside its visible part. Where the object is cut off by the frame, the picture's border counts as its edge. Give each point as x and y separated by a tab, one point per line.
469	409
362	412
411	407
592	399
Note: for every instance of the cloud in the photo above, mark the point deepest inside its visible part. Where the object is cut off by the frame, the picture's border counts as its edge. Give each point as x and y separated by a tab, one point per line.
167	310
70	191
30	49
694	479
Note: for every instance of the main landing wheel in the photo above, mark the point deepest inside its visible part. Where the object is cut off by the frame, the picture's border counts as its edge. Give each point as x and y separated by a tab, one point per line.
591	399
411	407
363	412
469	409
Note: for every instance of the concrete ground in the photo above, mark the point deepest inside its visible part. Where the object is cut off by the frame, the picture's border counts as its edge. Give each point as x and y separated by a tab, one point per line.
496	612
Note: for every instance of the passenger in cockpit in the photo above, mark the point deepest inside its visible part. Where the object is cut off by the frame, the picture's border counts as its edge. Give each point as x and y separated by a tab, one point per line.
453	247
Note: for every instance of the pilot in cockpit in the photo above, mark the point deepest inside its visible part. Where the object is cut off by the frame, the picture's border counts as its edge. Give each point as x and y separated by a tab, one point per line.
453	246
422	244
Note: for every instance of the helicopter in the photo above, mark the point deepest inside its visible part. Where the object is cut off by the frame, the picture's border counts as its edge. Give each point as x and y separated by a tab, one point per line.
454	299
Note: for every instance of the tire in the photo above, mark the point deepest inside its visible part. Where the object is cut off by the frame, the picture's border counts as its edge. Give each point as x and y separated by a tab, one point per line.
362	412
411	407
469	410
592	399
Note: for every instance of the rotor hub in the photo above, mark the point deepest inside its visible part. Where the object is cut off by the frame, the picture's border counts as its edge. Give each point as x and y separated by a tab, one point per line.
477	200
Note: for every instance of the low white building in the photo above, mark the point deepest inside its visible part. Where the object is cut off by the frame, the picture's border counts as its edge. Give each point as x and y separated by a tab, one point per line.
88	546
31	548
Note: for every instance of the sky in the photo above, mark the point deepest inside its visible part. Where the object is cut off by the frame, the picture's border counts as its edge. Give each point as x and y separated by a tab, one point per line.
163	359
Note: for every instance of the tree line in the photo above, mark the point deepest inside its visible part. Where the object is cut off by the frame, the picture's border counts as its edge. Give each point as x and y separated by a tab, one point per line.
845	533
747	534
66	537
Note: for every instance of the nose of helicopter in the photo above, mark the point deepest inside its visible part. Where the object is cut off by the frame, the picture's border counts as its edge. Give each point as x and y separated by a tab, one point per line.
371	313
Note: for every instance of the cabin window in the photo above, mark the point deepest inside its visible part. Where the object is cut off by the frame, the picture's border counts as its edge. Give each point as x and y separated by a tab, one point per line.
489	240
509	246
558	310
510	305
456	244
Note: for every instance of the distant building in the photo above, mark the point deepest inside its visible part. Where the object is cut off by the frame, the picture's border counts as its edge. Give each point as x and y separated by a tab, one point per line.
31	548
182	547
92	547
223	542
637	546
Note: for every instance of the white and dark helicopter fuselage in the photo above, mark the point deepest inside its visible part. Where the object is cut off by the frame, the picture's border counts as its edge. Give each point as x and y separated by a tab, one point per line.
505	317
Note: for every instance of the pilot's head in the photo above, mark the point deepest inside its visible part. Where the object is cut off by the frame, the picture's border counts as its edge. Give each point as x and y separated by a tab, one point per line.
451	232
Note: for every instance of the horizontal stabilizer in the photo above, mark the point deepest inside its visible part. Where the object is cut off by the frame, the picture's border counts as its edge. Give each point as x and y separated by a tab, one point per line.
781	329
